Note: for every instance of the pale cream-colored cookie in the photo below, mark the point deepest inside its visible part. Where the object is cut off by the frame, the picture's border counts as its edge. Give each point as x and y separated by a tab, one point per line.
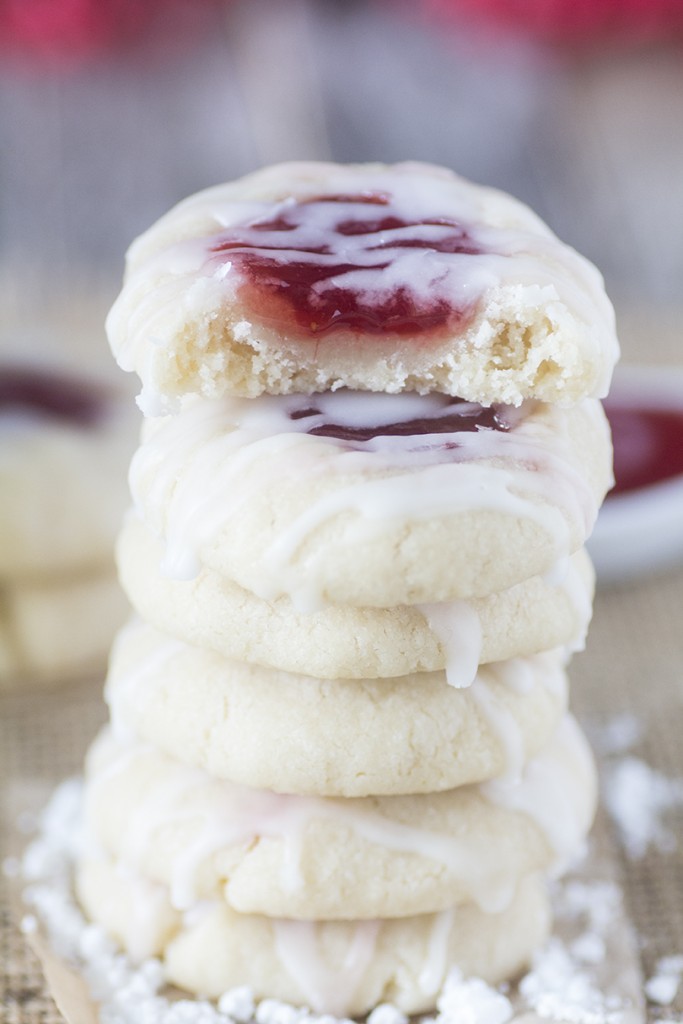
338	967
309	276
55	629
296	734
350	642
65	442
435	512
355	643
323	859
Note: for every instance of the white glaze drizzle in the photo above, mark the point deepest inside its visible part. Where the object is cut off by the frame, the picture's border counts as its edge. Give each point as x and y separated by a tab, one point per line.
196	915
579	597
557	791
324	988
246	813
519	675
557	573
148	901
240	814
505	726
131	685
182	281
195	471
457	626
430	978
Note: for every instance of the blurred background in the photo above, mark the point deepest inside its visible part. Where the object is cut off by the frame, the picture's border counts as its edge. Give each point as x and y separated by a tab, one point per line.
113	110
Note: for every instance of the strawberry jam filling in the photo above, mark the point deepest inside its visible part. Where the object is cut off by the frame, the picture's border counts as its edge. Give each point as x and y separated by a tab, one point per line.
457	416
349	262
50	396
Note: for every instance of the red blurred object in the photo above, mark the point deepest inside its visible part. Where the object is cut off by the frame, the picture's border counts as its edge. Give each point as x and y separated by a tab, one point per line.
570	21
66	31
648	444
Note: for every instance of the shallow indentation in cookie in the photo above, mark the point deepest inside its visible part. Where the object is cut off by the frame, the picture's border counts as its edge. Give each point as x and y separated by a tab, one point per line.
359	262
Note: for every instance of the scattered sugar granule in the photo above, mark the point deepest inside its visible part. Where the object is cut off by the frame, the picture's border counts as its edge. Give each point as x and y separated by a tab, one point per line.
671	964
618	735
663	986
238	1003
385	1013
273	1011
589	948
558	988
28	924
192	1011
636	797
94	941
595	903
662	989
472	1001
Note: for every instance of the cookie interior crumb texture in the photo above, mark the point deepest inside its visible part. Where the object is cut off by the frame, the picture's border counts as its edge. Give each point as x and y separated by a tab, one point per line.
414	280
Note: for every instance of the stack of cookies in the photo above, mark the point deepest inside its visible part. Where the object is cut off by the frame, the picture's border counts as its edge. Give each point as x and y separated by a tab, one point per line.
340	761
65	440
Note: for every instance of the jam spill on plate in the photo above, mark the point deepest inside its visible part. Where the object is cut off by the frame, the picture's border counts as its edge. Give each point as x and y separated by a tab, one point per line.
50	395
648	445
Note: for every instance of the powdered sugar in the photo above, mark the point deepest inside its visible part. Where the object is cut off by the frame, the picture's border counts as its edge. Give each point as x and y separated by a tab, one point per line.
238	1004
618	735
564	981
565	984
638	797
640	800
663	986
387	1014
472	1001
557	988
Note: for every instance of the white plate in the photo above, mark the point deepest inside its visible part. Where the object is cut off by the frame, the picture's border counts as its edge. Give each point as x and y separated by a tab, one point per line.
641	531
